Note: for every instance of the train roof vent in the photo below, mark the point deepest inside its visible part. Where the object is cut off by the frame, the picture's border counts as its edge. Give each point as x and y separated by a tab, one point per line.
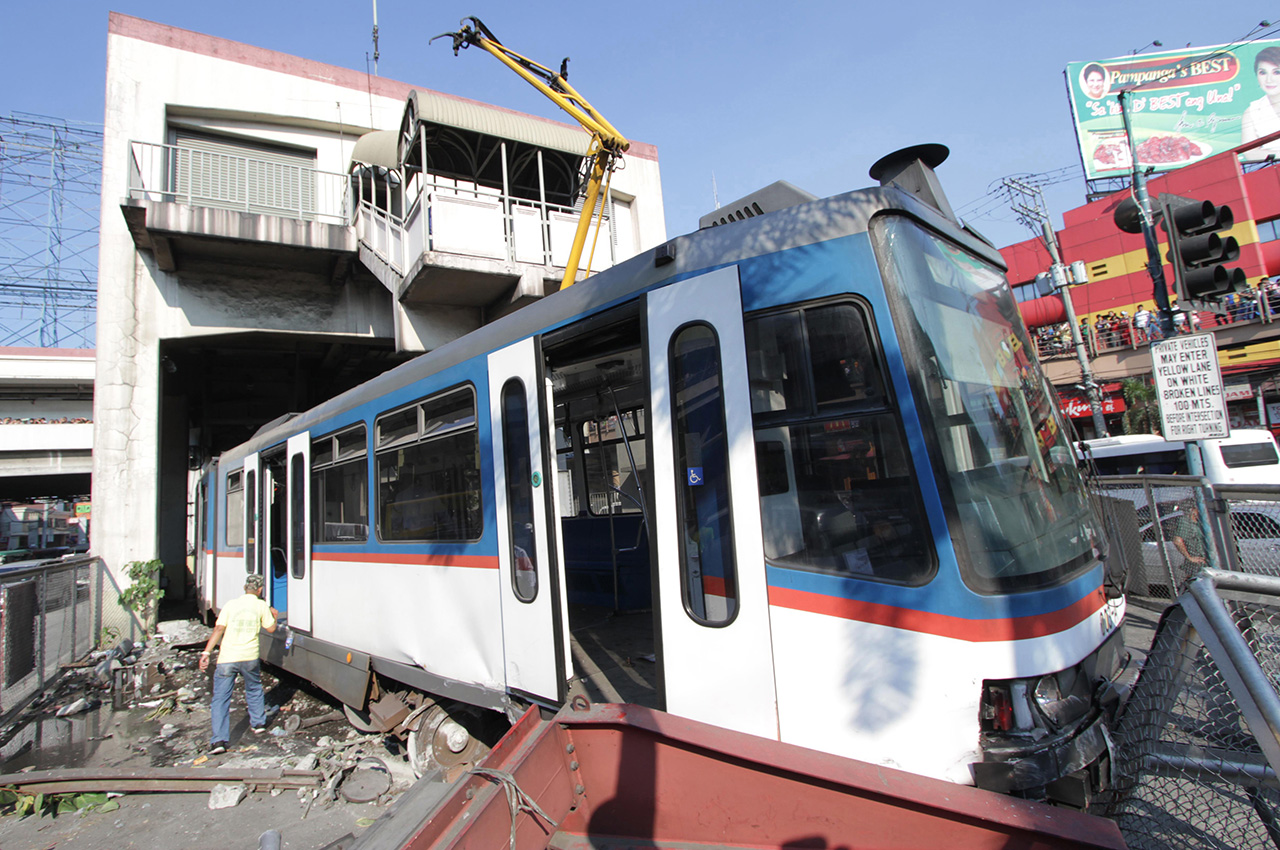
775	196
911	170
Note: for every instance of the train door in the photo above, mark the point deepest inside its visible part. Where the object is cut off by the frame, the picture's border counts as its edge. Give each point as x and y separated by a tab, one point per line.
715	633
299	533
529	574
204	521
252	525
273	555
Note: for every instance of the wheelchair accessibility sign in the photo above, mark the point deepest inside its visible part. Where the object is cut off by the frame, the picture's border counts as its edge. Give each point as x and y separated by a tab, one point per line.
695	476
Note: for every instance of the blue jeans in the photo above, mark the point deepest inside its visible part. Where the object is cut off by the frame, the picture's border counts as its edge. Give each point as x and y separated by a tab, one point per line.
224	679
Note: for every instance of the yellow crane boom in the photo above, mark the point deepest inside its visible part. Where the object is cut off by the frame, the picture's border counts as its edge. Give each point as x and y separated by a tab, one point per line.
607	144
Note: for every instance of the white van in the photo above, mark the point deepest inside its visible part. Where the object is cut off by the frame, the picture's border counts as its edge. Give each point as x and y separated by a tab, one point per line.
1248	456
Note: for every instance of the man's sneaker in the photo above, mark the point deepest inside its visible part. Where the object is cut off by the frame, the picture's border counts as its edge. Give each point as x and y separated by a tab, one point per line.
218	748
258	730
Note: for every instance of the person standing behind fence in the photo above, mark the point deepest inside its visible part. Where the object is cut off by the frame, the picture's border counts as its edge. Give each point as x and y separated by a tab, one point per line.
1188	538
237	629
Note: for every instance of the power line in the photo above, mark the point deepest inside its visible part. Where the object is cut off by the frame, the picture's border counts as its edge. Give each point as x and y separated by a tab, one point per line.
50	184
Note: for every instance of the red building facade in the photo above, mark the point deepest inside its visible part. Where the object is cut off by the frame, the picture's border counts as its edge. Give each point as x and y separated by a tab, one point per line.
1119	288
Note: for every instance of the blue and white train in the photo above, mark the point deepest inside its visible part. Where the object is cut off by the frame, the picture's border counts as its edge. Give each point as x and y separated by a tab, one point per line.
806	456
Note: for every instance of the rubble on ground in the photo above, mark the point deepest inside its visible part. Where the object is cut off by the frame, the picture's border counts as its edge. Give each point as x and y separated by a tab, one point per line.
146	705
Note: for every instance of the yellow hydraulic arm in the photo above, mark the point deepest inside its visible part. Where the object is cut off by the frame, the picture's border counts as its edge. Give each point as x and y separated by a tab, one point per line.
607	144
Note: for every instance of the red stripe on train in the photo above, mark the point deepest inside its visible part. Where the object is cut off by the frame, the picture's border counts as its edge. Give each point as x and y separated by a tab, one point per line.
1014	628
477	562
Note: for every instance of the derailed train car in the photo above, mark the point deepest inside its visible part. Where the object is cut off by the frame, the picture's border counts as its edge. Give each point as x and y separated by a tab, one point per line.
797	475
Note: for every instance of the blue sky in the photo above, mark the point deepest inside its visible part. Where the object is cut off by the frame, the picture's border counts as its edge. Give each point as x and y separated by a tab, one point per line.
743	93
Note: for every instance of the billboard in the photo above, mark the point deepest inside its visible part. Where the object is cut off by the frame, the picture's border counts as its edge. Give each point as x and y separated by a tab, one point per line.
1184	105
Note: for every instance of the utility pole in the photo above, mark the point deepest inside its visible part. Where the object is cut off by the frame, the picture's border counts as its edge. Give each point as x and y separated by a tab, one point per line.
1155	265
1032	213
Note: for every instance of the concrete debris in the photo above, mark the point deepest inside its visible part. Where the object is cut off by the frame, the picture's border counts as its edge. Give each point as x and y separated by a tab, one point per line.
226	796
308	762
73	708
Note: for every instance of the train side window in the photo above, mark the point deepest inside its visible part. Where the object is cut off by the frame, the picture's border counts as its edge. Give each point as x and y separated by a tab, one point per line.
613	487
702	466
340	486
428	463
297	517
251	533
518	471
837	491
235	509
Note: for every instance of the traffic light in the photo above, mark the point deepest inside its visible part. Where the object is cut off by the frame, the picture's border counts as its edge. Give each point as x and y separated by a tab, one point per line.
1198	251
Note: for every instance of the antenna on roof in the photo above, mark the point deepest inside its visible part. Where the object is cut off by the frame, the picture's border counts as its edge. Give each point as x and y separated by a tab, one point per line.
375	38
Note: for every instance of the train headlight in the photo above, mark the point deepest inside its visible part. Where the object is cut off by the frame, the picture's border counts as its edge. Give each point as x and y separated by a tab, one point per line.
1060	709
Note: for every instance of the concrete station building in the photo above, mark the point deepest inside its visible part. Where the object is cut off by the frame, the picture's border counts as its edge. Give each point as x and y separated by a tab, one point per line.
276	230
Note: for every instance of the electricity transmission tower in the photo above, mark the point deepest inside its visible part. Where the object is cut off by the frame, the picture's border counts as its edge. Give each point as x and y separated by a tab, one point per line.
50	179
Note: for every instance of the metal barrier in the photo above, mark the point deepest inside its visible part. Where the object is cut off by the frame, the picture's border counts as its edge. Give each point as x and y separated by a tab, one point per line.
227	181
1164	529
1196	751
50	615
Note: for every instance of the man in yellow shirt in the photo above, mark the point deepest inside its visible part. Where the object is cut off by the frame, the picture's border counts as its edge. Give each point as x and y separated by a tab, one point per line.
238	628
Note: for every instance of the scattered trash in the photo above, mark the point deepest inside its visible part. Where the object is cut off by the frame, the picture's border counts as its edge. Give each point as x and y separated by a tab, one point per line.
226	796
269	840
365	821
279	732
168	730
199	761
76	707
185	694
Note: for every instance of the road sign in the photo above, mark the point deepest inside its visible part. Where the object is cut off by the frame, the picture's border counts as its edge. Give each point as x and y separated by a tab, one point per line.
1189	388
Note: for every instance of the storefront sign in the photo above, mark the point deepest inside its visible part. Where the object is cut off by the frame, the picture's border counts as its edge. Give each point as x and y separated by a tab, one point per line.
1237	392
1185	105
1189	388
1077	408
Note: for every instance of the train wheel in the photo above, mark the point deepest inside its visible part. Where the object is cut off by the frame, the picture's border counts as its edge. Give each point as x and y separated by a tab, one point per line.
440	741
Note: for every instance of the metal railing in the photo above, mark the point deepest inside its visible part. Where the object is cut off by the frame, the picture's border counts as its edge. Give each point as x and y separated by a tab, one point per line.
50	615
1196	748
473	221
226	181
1159	544
1119	332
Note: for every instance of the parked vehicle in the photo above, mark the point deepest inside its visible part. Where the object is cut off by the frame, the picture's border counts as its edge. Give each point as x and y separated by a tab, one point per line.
1255	530
1248	456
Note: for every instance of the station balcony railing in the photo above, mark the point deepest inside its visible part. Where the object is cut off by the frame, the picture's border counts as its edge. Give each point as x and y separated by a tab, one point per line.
176	174
473	221
1054	341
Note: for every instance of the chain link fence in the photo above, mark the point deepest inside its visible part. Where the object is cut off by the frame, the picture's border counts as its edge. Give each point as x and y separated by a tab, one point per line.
50	615
1197	745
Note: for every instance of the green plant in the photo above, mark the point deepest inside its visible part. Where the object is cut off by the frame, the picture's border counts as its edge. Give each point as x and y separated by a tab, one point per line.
143	593
23	804
108	636
1142	410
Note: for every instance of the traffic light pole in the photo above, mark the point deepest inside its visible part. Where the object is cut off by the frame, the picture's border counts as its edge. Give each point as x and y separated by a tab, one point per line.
1155	265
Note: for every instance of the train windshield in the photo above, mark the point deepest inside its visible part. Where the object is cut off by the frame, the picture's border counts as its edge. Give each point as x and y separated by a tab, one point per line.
1020	517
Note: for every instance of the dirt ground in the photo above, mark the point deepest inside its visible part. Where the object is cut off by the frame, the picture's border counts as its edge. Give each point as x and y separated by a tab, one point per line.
163	721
